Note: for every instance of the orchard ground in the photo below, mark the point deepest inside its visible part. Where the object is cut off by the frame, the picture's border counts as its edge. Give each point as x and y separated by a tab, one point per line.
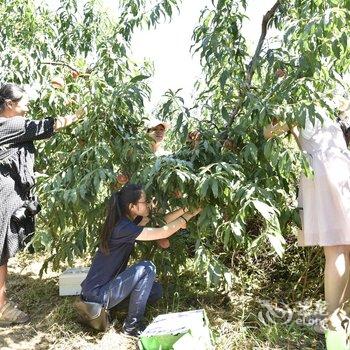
233	316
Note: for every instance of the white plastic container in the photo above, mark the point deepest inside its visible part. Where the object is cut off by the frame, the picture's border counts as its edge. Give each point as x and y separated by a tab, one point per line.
70	280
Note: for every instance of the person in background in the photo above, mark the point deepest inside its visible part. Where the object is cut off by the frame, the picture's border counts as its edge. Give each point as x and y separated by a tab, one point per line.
110	280
17	151
157	130
325	202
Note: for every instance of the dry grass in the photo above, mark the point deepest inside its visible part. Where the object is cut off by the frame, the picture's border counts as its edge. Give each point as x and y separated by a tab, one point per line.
53	324
233	317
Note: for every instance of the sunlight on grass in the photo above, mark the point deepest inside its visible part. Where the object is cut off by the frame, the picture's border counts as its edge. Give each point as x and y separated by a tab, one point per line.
233	316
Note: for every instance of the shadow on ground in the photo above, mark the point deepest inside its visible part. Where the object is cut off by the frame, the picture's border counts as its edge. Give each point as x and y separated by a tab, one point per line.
234	316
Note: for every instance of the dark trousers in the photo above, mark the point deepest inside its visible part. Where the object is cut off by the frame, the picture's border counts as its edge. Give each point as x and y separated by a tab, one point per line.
135	286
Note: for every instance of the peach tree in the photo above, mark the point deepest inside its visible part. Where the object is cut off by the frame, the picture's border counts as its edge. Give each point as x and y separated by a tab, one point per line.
246	184
77	55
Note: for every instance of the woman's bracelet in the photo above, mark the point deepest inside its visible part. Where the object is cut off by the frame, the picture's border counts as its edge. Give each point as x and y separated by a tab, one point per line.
184	219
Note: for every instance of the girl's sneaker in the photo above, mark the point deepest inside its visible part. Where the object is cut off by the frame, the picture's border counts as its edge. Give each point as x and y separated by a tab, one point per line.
134	330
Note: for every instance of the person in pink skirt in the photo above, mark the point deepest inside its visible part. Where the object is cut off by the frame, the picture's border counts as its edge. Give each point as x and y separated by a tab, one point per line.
325	202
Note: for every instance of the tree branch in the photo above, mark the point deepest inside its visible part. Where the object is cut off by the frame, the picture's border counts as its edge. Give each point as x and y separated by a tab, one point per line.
266	19
252	64
61	64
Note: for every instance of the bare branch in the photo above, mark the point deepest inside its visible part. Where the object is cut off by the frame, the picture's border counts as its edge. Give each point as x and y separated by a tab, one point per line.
251	67
266	19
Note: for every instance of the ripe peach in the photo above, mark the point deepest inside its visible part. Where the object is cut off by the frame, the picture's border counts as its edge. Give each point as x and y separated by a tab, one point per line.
193	138
163	243
75	74
122	179
280	73
194	135
178	194
57	82
229	144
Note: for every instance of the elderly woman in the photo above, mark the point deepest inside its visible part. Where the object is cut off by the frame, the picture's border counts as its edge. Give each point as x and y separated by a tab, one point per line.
17	207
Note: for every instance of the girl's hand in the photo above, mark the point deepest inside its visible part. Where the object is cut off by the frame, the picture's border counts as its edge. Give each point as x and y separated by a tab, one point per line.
190	214
63	122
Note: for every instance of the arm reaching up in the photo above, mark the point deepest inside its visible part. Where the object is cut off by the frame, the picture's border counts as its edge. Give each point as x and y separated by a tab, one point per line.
174	215
62	122
152	233
273	130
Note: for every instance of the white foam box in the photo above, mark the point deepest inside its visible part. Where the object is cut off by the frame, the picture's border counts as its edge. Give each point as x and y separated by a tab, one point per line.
70	280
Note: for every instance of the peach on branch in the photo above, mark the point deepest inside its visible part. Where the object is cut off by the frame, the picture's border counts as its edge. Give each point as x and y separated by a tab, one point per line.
57	82
75	74
122	179
280	73
163	243
229	144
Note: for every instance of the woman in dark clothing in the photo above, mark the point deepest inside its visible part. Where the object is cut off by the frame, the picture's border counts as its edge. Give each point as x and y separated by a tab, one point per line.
109	281
17	134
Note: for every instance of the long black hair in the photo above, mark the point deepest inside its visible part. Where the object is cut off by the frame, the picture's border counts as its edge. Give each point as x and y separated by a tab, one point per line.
117	208
11	92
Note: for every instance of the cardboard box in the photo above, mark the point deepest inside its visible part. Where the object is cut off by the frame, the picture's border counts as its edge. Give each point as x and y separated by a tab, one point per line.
178	331
70	280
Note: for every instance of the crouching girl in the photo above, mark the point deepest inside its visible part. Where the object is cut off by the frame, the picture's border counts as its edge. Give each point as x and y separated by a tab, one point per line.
110	281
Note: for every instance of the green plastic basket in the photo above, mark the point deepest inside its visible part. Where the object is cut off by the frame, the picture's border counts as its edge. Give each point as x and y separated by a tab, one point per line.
336	340
175	330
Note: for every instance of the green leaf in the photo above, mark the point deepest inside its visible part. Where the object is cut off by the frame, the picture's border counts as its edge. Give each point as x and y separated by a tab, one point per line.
306	166
277	243
336	48
268	148
139	78
264	209
204	188
215	187
236	228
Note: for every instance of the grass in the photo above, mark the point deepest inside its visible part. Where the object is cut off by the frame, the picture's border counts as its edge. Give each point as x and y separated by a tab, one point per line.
234	316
